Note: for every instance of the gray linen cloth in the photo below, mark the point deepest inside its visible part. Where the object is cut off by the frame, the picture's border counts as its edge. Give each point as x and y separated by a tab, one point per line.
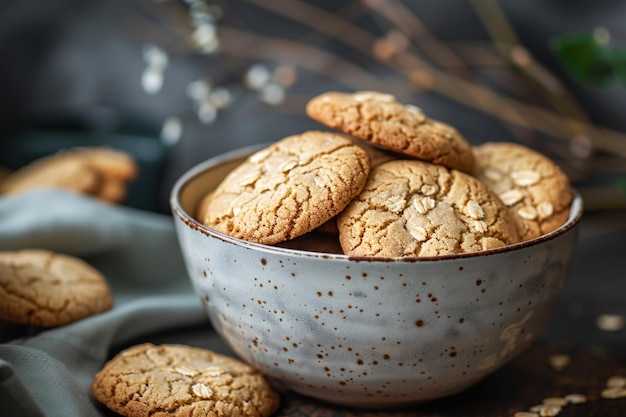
48	372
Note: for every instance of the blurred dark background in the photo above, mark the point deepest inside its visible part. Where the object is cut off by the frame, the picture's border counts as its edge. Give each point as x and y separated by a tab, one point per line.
176	82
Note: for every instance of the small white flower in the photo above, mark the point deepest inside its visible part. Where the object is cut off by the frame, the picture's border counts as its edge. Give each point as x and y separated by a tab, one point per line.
257	77
172	131
152	80
198	90
207	113
220	97
273	94
154	56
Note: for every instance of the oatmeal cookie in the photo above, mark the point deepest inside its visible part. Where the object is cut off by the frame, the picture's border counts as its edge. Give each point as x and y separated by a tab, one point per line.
415	208
380	119
48	289
287	189
535	190
180	381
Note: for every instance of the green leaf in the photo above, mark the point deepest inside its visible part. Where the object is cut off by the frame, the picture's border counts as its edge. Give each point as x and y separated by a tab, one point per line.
586	61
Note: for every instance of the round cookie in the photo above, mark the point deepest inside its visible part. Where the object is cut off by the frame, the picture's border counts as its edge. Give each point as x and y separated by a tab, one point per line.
381	120
48	289
55	171
287	189
415	208
536	191
177	380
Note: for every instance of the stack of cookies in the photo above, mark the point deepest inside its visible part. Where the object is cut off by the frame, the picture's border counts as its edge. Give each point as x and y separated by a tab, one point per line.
391	182
100	172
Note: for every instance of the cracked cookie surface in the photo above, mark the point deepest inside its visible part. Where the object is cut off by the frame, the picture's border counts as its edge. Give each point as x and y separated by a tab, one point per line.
176	380
536	191
287	189
48	289
415	208
380	119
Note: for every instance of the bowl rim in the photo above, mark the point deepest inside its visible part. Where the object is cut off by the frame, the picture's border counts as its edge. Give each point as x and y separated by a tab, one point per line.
575	215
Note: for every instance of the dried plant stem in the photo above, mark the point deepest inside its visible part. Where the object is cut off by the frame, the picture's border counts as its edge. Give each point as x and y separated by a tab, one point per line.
525	115
239	43
412	26
420	73
236	42
351	11
423	75
511	49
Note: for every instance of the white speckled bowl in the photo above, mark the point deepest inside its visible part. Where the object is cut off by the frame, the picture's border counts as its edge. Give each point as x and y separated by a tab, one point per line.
375	332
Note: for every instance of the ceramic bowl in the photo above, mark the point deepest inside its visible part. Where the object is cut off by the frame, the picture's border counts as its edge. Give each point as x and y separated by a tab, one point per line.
369	332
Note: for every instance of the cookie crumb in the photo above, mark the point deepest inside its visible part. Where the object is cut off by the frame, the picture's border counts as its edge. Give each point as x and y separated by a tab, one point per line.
559	362
525	414
610	322
616	381
558	401
576	398
546	410
613	393
615	388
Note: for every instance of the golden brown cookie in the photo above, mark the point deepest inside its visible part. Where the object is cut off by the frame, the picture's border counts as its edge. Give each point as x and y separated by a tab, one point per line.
381	120
112	191
48	289
57	171
287	189
415	208
97	171
113	164
536	191
180	381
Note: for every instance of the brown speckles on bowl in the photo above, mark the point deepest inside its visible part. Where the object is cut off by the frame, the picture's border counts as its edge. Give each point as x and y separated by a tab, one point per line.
369	332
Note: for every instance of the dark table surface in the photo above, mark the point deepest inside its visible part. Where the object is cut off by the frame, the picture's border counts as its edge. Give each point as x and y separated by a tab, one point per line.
596	286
